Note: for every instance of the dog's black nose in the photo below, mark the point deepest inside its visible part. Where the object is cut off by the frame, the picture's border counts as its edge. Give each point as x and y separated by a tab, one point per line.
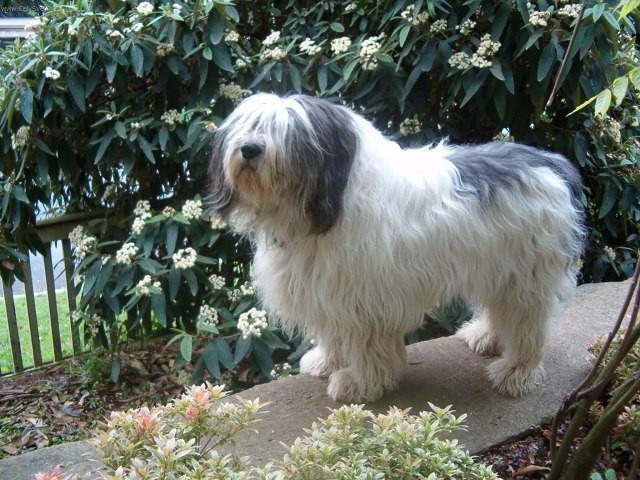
250	150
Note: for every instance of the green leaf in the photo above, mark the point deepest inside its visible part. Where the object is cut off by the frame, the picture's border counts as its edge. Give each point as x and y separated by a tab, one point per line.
174	282
296	78
207	53
603	101
597	11
610	474
496	70
115	370
337	27
609	198
26	104
546	60
192	281
611	20
224	353
163	137
619	89
215	28
404	33
149	265
322	77
628	7
273	340
137	60
171	237
348	69
104	144
263	357
596	476
146	148
243	346
121	130
582	105
186	347
634	76
159	304
211	361
474	87
221	57
76	88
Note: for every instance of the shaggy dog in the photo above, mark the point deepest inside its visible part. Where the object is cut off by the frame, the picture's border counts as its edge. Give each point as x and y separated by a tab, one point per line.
356	238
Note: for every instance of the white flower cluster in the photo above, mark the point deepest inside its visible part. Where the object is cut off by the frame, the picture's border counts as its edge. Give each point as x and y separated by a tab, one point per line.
142	213
408	16
485	51
247	289
20	138
192	209
83	243
460	60
168	211
309	47
216	281
77	316
571	10
241	64
164	49
51	73
466	27
410	126
135	125
538	19
369	48
176	8
610	252
232	91
252	323
184	258
281	370
144	8
116	34
126	254
439	26
208	316
276	54
232	37
340	45
93	325
217	223
613	129
351	7
171	117
234	295
71	30
210	127
143	287
272	38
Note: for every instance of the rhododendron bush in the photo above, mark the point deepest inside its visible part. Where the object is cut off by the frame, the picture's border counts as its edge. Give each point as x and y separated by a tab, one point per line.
110	106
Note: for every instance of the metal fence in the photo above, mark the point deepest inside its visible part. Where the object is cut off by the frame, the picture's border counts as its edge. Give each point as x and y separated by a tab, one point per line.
49	231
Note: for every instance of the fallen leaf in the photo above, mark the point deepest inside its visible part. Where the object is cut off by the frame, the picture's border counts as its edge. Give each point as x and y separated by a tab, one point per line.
531	469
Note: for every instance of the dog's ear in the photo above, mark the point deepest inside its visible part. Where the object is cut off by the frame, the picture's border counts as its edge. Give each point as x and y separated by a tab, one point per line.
327	160
220	196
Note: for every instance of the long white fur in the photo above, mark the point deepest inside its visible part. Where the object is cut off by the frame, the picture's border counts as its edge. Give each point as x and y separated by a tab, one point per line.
409	238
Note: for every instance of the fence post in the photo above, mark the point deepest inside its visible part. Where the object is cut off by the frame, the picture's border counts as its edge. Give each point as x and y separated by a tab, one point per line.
31	310
14	337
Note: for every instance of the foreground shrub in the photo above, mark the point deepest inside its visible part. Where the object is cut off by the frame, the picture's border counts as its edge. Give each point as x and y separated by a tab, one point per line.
179	440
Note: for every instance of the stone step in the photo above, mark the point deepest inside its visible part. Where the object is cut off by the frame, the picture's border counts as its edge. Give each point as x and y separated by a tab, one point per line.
441	371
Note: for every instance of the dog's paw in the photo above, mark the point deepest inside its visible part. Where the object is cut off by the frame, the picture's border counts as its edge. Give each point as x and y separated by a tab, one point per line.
345	387
514	380
316	363
480	338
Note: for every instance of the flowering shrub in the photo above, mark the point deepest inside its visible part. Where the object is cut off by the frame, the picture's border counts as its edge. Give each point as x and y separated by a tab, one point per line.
179	440
111	106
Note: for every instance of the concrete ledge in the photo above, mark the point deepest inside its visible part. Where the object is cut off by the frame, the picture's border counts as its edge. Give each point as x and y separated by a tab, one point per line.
441	371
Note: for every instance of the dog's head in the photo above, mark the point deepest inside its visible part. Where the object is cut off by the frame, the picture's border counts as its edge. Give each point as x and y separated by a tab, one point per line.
285	155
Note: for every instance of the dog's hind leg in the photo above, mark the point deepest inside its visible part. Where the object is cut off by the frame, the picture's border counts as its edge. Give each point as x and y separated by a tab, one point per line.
520	320
373	363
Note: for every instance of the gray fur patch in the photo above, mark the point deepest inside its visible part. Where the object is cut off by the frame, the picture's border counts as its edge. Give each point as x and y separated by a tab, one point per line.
326	163
502	165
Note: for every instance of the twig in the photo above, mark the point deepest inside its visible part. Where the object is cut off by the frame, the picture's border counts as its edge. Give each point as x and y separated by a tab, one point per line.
556	82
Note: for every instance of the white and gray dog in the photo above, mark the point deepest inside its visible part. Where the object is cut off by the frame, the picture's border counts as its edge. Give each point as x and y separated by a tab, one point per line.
356	238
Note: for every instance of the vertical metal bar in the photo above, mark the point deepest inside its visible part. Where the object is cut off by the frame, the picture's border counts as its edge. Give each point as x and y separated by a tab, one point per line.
71	294
14	337
31	310
53	307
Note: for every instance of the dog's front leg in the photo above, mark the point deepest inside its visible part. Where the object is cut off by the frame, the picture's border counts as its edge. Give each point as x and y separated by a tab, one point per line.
372	364
322	360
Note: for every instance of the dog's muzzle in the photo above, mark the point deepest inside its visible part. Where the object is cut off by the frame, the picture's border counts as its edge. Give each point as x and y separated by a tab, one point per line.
250	151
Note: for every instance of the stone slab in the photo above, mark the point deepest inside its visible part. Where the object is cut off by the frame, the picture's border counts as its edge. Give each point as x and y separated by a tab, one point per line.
441	371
